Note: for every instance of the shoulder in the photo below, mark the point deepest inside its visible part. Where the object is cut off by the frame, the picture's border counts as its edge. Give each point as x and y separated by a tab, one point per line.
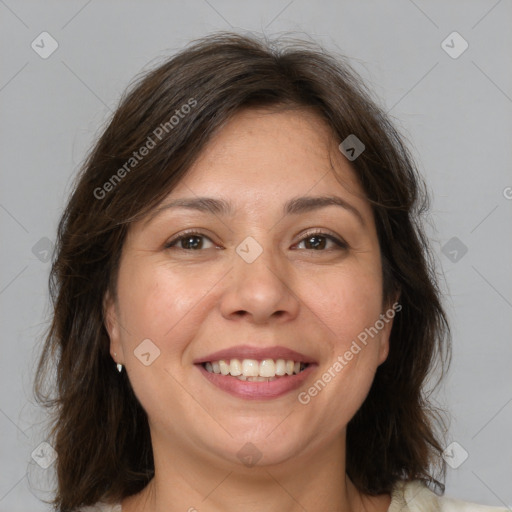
415	496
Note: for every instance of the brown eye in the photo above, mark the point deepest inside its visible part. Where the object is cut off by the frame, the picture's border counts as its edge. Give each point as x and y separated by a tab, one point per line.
320	241
315	242
190	242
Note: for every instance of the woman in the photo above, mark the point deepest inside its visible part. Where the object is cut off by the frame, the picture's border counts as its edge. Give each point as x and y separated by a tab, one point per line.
245	312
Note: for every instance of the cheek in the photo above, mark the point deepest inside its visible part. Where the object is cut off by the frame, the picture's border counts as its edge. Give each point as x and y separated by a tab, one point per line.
158	304
346	303
162	304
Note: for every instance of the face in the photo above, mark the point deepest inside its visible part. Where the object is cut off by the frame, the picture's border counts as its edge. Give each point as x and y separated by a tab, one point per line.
265	252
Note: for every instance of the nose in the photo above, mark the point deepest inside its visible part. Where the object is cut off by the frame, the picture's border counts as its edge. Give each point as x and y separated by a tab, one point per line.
260	291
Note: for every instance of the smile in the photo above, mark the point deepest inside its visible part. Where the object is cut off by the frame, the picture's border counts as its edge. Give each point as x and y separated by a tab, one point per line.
255	386
253	370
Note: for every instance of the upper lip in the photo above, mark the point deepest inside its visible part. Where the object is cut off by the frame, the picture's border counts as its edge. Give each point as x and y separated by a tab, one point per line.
251	352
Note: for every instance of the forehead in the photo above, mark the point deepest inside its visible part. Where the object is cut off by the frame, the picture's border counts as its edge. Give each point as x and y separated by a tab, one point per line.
271	153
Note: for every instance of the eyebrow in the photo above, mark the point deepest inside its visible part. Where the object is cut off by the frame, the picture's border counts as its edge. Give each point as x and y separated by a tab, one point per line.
294	206
306	204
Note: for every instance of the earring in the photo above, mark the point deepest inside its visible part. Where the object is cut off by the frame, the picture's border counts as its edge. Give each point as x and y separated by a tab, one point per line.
119	366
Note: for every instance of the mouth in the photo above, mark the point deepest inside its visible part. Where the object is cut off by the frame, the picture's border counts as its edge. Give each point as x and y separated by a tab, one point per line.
253	370
250	372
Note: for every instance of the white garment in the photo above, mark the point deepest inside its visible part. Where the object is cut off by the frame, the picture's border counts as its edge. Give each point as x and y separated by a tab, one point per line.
406	497
417	497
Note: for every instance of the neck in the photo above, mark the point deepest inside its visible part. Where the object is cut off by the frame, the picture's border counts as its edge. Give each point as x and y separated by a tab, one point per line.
305	482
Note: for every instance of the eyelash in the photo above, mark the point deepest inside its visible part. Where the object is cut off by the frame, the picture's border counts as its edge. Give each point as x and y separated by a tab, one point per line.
337	241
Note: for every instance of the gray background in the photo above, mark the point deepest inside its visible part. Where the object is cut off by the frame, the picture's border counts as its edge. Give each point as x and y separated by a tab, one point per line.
455	111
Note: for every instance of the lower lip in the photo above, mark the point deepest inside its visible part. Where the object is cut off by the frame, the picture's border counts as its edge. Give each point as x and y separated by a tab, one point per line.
257	390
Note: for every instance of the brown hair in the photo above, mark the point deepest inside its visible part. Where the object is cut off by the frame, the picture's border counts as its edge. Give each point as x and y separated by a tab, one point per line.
99	429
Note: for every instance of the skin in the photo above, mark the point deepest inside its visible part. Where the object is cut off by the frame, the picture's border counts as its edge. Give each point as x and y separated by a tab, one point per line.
312	296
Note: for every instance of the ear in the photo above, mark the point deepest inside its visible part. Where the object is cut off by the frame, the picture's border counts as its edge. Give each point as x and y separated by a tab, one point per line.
384	345
387	317
111	322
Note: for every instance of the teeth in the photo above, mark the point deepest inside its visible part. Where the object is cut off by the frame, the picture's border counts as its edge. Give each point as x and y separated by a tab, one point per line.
267	368
235	367
224	367
255	371
280	367
250	368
